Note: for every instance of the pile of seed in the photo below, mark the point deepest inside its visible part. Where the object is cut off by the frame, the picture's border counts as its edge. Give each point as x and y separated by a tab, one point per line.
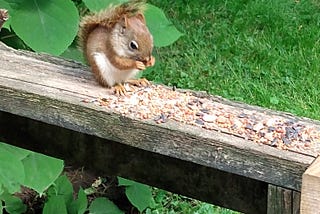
162	104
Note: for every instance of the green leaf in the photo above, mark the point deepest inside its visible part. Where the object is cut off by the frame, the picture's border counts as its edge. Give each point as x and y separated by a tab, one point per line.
46	26
14	205
14	4
12	172
19	153
104	206
79	206
96	5
73	53
90	190
63	187
163	31
2	189
139	195
54	205
41	171
125	182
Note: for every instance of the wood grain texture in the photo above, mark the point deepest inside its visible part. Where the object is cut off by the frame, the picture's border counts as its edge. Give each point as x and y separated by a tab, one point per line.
50	90
284	201
310	193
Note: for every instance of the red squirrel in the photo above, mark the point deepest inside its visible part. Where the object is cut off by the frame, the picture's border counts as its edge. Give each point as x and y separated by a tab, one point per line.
117	45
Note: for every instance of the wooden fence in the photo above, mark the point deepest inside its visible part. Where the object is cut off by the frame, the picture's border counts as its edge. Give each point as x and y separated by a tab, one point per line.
49	105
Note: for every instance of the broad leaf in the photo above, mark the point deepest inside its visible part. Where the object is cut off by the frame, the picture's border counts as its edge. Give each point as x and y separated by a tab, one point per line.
14	205
79	206
163	31
73	53
63	187
54	205
12	172
97	5
2	189
139	195
19	153
14	4
46	26
125	182
41	171
104	206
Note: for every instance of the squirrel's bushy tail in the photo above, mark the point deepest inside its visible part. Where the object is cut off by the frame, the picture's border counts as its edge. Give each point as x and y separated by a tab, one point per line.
107	18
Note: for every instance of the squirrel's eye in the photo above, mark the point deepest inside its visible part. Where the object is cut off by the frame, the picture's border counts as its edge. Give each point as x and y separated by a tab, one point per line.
134	45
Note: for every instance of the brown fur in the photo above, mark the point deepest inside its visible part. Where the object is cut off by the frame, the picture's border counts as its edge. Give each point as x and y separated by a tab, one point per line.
98	42
121	34
107	18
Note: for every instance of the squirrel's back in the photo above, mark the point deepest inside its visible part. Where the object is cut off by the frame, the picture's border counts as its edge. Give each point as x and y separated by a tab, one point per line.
107	18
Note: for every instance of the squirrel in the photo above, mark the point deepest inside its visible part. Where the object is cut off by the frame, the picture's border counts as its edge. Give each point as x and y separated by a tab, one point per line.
117	44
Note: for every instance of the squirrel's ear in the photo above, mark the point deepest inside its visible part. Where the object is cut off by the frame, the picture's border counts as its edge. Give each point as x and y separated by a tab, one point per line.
124	21
140	16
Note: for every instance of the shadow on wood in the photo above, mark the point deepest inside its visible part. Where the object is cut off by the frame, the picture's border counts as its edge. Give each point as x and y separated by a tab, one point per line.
284	201
51	90
110	158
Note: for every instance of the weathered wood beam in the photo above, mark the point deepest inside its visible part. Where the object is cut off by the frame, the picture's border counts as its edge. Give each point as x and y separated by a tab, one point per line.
104	157
50	90
310	193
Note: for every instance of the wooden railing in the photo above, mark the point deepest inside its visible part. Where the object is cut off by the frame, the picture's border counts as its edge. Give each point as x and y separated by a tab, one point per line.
49	105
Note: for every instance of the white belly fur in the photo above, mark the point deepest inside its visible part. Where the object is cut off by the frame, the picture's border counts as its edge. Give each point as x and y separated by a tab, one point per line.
109	73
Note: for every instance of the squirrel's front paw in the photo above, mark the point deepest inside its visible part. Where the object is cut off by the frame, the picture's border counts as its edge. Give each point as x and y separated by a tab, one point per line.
139	82
119	89
140	65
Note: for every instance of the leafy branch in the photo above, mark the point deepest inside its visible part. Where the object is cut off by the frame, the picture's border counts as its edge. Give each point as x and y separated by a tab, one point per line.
52	26
20	167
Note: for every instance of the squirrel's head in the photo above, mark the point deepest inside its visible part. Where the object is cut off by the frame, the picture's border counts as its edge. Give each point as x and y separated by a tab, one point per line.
132	38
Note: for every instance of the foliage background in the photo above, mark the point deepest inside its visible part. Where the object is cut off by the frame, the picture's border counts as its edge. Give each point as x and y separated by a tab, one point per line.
262	52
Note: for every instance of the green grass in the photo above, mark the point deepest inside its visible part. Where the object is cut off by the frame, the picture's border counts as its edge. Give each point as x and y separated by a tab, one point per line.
169	203
262	52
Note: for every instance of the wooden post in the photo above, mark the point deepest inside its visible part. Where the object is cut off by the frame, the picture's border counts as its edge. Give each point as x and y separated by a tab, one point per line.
281	200
310	192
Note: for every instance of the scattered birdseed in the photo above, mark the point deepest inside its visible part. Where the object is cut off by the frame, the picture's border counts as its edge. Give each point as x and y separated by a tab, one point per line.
199	122
209	118
162	104
242	115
